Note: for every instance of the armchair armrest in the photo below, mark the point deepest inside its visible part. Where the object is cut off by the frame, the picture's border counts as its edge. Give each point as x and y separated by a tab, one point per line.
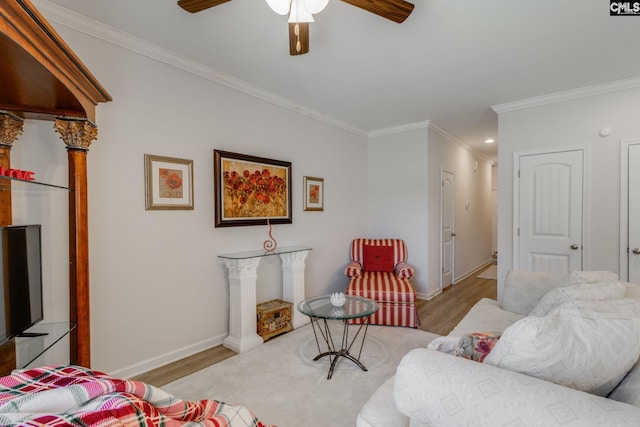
437	389
354	269
404	270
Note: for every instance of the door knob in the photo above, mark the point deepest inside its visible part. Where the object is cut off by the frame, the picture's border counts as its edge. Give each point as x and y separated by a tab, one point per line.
636	251
574	246
454	235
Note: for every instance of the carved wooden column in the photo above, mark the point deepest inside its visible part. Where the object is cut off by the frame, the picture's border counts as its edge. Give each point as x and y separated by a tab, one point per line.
10	129
78	134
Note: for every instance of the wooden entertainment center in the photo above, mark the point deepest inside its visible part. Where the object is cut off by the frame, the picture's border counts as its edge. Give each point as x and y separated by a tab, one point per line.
42	79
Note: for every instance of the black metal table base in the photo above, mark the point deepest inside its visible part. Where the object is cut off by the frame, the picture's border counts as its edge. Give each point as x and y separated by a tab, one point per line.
345	348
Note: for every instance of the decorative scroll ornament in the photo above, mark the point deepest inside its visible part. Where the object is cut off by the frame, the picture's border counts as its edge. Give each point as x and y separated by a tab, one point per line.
10	128
76	133
270	244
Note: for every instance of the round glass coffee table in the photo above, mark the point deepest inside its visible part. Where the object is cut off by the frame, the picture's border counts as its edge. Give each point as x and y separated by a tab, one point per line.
354	308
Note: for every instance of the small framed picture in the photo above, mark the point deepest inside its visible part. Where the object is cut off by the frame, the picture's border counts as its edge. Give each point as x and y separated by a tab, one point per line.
313	193
168	183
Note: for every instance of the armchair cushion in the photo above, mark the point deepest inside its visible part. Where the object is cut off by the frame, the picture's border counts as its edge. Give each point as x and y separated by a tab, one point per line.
378	258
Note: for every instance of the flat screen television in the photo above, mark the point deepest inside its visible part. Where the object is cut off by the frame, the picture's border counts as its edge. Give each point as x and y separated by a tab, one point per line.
21	279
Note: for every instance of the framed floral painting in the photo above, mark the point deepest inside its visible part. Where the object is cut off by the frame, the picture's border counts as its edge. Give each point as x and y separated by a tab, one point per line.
313	193
168	183
251	190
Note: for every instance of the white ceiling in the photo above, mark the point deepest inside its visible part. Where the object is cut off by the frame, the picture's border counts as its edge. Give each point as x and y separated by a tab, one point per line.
449	62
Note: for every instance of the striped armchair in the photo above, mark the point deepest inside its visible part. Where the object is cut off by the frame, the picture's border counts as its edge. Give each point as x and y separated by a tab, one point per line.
378	271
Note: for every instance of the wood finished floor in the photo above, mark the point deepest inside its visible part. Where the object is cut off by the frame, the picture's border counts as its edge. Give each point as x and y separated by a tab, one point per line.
438	315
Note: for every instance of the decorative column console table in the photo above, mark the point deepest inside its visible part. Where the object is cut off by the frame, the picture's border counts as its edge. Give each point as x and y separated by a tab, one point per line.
243	273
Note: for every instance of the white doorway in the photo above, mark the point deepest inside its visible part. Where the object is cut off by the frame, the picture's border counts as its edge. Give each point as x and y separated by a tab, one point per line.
630	211
447	219
549	206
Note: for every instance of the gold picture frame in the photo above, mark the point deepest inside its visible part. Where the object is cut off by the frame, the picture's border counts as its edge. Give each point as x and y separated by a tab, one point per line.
168	183
313	193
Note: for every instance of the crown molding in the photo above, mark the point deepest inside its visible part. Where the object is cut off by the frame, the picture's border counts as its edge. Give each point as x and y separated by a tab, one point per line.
568	95
399	129
451	138
75	21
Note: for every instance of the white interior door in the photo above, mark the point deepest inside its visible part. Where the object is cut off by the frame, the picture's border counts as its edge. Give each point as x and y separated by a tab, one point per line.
550	220
633	242
448	223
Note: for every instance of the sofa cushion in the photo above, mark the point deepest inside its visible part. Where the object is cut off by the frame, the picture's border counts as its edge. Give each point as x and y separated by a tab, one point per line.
437	389
486	315
579	345
378	258
592	277
523	289
628	391
380	409
599	291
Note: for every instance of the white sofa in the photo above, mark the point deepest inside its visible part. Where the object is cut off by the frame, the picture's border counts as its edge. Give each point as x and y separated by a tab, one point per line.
434	388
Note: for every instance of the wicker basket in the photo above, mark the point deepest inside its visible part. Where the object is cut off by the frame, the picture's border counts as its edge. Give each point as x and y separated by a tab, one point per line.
273	318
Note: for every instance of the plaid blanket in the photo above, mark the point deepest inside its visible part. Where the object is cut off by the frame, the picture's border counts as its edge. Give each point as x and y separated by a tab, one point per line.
76	396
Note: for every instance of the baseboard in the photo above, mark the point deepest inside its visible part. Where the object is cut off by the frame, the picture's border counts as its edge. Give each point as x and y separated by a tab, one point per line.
430	295
165	359
474	270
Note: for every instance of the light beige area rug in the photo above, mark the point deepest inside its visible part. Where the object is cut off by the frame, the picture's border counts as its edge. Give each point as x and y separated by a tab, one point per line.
489	273
282	385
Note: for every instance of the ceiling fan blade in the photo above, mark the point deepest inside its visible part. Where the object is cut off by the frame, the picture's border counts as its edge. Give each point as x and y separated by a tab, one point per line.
298	38
395	10
194	6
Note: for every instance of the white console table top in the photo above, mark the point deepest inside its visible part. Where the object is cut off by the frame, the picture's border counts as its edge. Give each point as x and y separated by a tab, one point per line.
263	253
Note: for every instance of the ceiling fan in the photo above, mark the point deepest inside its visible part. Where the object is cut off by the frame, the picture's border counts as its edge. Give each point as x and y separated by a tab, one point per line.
394	10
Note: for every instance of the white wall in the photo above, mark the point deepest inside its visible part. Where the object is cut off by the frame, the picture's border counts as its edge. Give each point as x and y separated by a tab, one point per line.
570	124
158	291
398	196
472	204
404	200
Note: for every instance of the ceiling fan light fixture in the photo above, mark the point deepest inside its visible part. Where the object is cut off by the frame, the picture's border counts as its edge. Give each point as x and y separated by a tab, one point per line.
299	12
281	7
315	6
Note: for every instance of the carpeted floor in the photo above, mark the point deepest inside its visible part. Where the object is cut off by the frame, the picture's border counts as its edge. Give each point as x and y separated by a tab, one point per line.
489	273
282	385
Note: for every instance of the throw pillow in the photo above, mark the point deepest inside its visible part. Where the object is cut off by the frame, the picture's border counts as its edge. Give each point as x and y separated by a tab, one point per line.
578	348
592	277
447	344
377	258
477	346
599	291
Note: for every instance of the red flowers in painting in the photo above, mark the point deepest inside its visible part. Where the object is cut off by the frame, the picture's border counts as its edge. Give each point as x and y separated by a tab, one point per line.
254	194
170	183
174	181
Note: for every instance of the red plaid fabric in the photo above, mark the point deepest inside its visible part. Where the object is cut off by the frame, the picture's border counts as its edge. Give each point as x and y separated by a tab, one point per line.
75	396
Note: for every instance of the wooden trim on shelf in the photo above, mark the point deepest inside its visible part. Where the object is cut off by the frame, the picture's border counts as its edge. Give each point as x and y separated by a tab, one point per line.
41	78
45	77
